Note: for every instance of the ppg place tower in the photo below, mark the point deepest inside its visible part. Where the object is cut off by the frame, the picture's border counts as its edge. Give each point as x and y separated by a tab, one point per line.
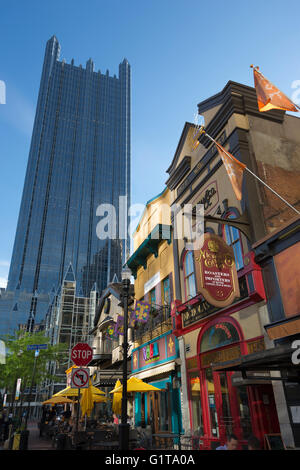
79	159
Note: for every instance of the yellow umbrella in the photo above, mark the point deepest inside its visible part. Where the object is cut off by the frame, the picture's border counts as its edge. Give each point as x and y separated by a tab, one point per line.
54	400
136	385
99	399
117	400
86	401
73	392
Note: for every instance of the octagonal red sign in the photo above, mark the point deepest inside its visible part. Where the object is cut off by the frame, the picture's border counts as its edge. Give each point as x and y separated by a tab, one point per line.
81	354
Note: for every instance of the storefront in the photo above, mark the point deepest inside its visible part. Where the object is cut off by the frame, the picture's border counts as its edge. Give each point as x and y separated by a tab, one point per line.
155	362
217	406
279	256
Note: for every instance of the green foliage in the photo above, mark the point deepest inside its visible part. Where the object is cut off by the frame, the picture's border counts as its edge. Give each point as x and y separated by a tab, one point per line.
20	362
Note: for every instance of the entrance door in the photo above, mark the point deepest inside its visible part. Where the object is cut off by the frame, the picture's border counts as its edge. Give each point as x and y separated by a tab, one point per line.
159	411
229	410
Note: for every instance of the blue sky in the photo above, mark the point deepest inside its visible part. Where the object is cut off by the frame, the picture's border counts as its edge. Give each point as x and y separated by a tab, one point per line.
180	51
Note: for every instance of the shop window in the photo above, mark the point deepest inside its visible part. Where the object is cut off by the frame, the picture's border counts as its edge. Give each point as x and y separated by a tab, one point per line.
196	408
227	420
189	275
232	237
163	416
244	410
210	386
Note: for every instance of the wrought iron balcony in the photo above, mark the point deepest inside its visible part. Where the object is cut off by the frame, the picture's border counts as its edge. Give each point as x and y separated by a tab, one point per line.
159	322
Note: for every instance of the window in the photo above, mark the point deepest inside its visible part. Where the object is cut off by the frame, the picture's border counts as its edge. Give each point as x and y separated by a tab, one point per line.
152	297
189	276
196	409
166	291
219	335
233	238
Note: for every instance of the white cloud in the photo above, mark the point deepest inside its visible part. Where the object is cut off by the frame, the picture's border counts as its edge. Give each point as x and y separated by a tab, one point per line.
4	264
3	282
18	110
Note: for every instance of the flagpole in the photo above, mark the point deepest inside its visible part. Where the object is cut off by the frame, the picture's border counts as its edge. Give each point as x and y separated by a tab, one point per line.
278	195
253	174
258	71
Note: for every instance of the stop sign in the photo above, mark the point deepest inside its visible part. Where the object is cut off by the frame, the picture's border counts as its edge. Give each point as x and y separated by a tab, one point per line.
81	354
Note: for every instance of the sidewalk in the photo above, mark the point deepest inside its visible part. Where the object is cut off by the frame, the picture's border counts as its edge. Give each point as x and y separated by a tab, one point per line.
35	442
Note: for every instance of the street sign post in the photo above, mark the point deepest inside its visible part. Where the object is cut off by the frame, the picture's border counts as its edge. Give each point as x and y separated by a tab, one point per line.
80	378
81	354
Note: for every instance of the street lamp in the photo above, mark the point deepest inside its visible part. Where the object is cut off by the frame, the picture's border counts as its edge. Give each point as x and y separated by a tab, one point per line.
126	297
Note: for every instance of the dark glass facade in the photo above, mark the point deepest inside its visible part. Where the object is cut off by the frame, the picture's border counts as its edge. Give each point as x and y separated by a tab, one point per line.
79	158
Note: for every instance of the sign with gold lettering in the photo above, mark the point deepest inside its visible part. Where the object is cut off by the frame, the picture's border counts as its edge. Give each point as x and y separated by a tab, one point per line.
216	271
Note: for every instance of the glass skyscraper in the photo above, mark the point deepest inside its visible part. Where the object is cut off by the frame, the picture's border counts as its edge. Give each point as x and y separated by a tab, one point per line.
79	159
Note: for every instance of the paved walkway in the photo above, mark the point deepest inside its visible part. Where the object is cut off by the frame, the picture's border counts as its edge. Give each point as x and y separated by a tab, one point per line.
35	442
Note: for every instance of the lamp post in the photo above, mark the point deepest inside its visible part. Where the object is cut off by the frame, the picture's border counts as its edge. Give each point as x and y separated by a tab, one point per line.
124	426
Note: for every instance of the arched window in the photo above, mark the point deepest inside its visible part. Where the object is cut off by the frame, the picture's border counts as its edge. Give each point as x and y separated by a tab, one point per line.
218	335
189	275
232	237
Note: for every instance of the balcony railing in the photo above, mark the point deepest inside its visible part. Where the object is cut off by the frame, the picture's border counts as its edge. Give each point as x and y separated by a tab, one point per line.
159	322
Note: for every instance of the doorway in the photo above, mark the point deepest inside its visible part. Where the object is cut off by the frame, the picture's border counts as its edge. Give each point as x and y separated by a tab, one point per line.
159	411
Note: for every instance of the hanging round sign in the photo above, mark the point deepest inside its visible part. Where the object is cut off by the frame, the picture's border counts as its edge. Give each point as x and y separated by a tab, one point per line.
216	271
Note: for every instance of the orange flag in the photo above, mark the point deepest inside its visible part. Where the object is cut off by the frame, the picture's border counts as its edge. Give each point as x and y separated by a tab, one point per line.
268	96
235	170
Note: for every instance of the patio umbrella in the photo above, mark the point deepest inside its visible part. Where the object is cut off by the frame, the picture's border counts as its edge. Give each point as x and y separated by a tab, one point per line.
73	392
86	402
136	385
54	400
117	400
99	399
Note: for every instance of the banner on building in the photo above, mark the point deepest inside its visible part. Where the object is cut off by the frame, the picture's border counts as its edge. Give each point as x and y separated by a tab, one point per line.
111	331
216	271
18	387
142	311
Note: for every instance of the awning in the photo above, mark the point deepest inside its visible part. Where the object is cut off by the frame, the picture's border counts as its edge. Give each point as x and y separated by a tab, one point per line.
283	328
274	359
155	371
149	247
108	377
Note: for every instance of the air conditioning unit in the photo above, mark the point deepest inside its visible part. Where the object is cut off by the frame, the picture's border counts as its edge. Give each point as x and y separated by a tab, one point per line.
117	354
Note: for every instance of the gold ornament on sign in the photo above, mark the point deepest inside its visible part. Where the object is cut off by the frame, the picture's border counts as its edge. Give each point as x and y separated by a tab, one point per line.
213	246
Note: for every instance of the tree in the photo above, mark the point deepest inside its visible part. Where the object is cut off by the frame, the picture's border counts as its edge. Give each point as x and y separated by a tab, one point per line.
20	361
